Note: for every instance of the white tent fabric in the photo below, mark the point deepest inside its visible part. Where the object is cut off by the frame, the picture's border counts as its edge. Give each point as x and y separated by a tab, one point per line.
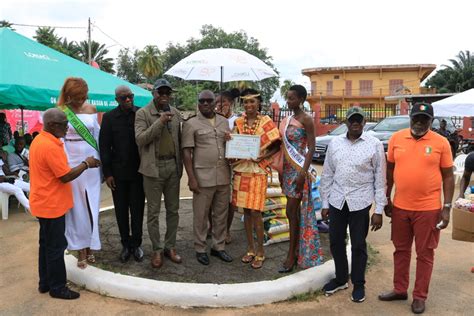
461	104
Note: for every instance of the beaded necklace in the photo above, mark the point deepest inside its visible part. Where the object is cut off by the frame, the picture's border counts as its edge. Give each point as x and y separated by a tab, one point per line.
251	130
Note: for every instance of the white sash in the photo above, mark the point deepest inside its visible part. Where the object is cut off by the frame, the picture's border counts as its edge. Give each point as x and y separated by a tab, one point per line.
296	159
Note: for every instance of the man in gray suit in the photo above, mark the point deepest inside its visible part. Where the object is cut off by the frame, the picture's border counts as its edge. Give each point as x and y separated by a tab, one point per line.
208	171
158	133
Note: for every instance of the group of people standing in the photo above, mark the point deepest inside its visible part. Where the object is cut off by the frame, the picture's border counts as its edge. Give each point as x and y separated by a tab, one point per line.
142	152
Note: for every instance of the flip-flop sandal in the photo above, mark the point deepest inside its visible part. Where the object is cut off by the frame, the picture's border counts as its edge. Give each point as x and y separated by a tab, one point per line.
248	257
257	262
90	258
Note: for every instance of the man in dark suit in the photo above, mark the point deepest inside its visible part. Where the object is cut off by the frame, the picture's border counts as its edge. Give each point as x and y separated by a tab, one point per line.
120	160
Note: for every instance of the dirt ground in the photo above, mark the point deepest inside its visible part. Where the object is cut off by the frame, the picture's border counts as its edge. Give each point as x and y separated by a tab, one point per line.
451	290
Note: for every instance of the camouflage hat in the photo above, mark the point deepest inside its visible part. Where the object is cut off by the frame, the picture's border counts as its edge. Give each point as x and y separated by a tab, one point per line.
355	110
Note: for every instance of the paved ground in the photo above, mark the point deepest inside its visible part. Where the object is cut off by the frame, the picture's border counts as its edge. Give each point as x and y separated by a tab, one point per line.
451	290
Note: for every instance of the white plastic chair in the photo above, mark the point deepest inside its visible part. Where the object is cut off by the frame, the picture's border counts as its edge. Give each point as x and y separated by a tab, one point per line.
4	203
459	166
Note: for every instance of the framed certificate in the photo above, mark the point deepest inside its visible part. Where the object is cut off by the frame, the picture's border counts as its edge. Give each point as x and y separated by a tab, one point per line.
243	147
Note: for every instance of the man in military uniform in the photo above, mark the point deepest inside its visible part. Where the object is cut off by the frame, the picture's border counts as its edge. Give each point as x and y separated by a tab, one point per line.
203	144
157	133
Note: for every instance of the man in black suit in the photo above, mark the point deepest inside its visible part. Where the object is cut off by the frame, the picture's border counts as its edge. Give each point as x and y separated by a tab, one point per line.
120	161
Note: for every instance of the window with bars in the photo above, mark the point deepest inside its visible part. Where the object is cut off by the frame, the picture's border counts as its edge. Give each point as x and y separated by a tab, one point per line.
329	88
365	87
348	90
395	85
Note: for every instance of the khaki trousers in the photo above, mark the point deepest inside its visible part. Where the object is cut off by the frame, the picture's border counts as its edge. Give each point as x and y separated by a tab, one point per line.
167	184
218	197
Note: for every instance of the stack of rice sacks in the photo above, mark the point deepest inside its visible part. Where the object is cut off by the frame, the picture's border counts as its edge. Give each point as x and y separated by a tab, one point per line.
275	222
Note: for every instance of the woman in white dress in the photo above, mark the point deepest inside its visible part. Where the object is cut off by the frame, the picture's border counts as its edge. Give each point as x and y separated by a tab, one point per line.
82	221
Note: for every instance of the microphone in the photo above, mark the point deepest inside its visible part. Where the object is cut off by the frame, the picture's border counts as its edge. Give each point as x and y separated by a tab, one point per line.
166	108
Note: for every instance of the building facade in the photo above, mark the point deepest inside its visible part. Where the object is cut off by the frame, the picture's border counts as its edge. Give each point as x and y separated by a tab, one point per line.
335	89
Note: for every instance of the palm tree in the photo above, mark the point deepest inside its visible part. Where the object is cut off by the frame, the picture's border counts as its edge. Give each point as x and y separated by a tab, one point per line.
287	83
5	23
98	52
150	63
457	77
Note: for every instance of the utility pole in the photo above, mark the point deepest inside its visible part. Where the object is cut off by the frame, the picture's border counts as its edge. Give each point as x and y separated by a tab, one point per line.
89	53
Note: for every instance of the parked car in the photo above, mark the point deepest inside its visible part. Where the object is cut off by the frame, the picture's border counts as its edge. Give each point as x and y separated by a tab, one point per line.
322	142
389	125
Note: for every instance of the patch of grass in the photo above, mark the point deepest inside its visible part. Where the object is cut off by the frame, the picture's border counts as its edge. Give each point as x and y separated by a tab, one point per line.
373	258
306	297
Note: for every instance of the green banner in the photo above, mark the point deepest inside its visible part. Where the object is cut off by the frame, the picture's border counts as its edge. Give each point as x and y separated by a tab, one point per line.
80	128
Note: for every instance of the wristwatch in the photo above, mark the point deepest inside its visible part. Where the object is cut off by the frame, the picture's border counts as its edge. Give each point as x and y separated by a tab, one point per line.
447	205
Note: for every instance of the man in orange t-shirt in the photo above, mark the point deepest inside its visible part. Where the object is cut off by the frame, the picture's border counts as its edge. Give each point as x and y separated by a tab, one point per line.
51	198
419	164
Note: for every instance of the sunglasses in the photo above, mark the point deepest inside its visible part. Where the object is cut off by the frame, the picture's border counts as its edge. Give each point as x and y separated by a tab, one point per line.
209	101
125	97
164	92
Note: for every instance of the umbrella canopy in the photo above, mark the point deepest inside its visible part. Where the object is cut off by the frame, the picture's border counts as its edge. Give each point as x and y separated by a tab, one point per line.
221	64
31	76
461	104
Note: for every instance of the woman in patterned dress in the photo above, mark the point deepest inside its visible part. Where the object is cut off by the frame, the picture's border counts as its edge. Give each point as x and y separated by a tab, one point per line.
304	247
250	176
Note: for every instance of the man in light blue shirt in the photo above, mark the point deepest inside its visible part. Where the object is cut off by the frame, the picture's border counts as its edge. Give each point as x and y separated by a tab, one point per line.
354	175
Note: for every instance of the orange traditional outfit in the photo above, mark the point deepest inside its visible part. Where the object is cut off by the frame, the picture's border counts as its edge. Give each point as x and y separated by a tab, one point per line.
250	178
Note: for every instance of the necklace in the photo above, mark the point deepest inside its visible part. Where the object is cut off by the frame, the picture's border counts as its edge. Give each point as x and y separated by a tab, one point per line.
250	130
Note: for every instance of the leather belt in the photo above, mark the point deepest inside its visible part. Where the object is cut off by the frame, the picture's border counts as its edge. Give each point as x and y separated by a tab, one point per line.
167	157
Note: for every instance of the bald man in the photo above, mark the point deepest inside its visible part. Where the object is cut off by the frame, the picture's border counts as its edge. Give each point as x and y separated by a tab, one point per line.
50	199
120	161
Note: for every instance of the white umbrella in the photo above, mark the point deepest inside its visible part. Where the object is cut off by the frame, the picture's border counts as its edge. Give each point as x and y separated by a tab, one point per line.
221	65
461	104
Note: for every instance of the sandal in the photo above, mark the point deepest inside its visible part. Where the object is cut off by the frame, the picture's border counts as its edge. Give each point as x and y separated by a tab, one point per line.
90	258
82	259
82	264
257	262
248	257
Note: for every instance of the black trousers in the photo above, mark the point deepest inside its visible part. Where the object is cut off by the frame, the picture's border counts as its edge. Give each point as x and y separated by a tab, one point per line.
129	199
52	243
358	222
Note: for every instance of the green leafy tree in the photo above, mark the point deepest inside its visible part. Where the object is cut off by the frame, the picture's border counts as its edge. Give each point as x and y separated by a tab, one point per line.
149	62
187	95
457	77
287	83
127	66
47	36
98	54
5	23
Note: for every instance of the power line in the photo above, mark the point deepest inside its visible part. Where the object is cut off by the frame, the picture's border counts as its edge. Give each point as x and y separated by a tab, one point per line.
51	26
110	37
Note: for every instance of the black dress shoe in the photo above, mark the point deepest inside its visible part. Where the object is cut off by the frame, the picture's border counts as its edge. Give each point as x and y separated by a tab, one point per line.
221	254
65	294
43	289
418	306
138	254
125	254
202	258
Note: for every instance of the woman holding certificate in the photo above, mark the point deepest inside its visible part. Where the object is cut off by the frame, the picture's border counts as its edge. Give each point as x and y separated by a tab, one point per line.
250	175
82	221
298	144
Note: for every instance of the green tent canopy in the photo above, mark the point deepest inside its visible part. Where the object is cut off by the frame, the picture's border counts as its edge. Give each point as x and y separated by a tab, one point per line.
31	76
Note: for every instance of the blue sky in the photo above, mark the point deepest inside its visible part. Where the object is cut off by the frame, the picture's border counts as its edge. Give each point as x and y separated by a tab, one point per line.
299	34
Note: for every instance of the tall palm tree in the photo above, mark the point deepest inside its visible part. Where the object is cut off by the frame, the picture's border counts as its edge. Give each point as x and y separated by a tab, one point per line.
462	71
5	23
150	63
287	83
98	52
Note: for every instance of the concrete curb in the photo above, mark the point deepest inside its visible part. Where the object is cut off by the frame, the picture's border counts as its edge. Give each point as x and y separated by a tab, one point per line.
200	294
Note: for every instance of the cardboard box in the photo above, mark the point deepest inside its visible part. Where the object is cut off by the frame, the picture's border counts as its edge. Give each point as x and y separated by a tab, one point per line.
463	225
